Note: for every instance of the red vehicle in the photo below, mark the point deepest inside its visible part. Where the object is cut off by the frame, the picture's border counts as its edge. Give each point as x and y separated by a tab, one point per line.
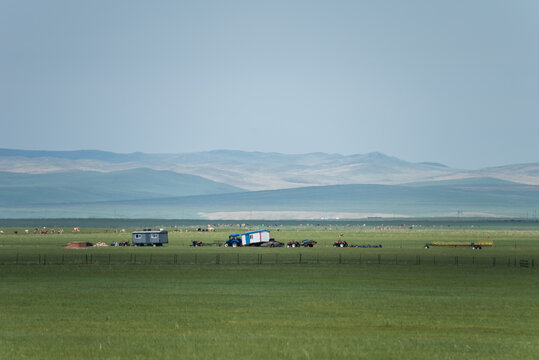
340	243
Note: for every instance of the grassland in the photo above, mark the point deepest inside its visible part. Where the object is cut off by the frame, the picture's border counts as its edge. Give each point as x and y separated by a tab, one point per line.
274	307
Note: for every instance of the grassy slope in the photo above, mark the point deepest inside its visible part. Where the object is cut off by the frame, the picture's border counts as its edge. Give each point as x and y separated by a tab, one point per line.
427	199
87	186
144	192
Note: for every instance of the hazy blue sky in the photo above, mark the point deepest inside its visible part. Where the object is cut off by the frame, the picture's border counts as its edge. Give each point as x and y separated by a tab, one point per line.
447	81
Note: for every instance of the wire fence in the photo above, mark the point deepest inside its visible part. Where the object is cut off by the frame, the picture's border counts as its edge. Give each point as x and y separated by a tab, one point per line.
259	259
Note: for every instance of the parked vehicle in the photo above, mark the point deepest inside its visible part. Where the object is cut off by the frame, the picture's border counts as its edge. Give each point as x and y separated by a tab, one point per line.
123	243
340	243
274	243
250	238
304	243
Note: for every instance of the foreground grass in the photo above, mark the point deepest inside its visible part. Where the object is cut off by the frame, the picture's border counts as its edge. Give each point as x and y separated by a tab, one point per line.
268	311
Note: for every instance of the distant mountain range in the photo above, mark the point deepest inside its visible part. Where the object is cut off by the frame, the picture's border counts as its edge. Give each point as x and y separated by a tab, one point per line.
261	171
242	185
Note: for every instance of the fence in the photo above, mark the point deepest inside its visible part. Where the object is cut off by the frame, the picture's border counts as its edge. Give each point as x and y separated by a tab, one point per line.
253	259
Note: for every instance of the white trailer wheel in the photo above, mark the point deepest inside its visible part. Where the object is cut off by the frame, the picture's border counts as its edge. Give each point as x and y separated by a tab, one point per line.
226	244
234	244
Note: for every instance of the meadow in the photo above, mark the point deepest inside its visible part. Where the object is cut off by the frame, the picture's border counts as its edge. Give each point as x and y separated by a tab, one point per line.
178	301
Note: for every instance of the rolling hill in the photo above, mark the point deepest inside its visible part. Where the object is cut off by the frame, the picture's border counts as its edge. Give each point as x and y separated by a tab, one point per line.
469	197
90	186
261	171
235	184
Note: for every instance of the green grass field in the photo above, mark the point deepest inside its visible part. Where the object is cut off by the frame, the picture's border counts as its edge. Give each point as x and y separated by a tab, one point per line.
202	304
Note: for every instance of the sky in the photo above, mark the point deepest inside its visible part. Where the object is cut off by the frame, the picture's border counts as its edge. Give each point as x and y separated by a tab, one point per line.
455	82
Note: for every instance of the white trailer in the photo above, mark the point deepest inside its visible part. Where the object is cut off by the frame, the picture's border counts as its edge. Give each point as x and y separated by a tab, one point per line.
250	238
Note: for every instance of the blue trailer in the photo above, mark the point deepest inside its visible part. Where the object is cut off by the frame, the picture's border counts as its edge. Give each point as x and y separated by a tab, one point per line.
250	238
150	237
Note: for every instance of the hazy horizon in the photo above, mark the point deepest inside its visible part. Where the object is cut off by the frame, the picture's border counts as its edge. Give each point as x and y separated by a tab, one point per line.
423	81
268	152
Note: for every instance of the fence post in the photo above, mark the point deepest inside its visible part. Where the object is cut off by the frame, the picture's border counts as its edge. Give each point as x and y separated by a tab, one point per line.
44	259
493	261
434	260
300	258
379	259
86	259
473	260
238	258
